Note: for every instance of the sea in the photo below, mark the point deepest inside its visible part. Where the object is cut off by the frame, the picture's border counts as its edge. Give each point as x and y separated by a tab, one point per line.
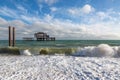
99	47
60	43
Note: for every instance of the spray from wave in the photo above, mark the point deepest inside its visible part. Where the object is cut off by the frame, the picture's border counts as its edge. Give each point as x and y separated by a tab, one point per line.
25	52
102	50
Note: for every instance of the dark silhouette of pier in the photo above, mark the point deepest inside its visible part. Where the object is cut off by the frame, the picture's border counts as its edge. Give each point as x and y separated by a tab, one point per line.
41	36
11	36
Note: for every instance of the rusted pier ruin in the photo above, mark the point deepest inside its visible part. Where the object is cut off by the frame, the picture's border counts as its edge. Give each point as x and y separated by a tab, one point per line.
11	36
41	36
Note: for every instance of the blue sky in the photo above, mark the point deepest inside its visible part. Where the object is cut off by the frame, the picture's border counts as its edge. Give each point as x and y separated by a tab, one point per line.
64	19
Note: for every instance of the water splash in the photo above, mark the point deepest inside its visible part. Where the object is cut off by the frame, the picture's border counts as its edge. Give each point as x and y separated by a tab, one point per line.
25	52
102	50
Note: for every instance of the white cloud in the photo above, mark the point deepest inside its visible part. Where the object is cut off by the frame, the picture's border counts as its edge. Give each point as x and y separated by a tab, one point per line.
73	11
86	9
29	19
66	29
20	14
53	9
48	18
62	29
2	21
5	11
101	14
49	2
17	23
22	9
40	8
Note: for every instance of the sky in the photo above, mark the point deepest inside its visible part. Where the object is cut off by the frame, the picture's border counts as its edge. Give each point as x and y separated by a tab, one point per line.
63	19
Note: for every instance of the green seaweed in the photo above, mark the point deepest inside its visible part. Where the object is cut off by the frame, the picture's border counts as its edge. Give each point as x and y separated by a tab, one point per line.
43	51
52	51
10	50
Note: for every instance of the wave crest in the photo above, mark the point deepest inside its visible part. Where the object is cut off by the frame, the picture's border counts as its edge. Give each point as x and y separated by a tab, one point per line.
102	50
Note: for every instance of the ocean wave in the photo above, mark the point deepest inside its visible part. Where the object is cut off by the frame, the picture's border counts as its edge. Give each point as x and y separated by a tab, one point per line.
25	52
102	50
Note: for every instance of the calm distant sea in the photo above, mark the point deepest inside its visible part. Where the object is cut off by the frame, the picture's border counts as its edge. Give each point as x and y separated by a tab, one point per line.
60	43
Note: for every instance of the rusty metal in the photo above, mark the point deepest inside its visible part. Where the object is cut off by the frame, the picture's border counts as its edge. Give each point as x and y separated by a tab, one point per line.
10	36
13	37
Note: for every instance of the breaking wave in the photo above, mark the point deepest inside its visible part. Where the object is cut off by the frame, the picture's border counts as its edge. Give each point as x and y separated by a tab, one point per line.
102	50
25	52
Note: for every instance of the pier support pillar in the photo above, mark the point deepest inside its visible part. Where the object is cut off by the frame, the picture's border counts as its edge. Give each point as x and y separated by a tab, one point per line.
13	36
10	36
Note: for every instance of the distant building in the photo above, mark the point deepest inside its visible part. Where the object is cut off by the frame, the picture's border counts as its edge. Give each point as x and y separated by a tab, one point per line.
41	36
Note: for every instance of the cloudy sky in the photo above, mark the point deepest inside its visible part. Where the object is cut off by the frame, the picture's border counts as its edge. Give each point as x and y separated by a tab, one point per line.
64	19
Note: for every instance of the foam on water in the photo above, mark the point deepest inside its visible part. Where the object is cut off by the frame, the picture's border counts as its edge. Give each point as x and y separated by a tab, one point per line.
25	52
102	50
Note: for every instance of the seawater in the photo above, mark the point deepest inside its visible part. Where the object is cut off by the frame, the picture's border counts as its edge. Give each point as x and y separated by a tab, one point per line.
60	43
90	48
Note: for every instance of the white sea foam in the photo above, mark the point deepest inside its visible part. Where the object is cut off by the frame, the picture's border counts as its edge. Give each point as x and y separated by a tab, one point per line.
25	52
102	50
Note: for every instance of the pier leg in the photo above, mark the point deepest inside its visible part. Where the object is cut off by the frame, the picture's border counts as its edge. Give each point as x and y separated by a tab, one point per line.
13	36
10	36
